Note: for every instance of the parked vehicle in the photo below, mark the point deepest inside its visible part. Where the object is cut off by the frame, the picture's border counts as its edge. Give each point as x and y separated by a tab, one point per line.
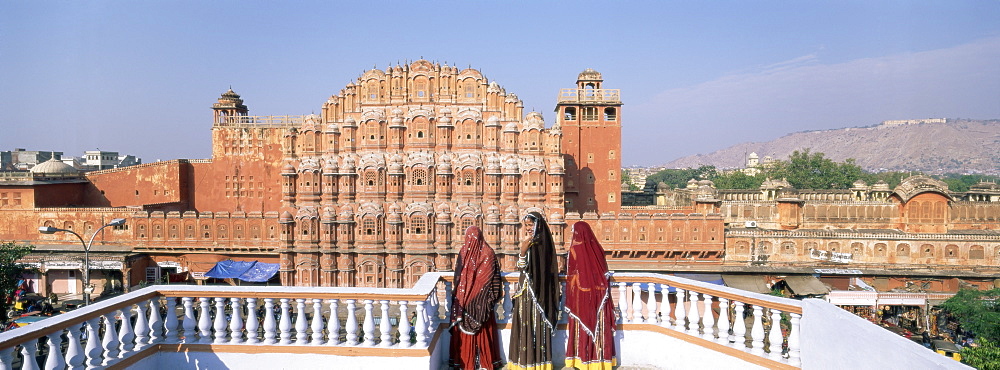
946	348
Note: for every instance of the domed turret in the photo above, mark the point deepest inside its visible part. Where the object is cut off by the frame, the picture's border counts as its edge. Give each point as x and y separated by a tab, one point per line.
54	167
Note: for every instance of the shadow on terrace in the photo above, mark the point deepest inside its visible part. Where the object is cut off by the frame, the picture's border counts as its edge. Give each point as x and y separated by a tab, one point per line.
664	322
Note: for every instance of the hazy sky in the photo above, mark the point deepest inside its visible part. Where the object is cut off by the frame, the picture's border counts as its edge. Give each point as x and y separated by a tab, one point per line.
140	77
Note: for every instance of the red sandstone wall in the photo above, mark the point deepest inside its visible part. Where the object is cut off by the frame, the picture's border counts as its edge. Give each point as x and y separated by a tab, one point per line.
145	184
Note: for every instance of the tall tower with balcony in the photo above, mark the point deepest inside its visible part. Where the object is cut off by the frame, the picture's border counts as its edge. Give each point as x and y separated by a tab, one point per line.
590	119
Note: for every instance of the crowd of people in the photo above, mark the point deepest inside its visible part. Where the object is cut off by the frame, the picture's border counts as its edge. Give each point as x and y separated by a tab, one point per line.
475	335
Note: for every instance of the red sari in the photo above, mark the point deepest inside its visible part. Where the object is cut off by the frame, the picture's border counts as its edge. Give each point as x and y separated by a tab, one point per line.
478	289
590	342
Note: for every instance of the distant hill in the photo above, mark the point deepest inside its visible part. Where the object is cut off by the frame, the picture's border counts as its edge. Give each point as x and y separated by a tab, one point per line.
957	145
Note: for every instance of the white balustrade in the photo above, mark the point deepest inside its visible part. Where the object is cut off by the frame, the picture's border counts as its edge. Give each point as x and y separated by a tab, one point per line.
664	312
793	339
333	325
141	327
723	324
352	323
74	351
404	325
54	359
7	358
369	325
707	318
421	324
93	349
220	320
155	321
170	328
301	323
757	331
508	303
739	326
269	327
190	323
692	310
126	335
774	336
205	321
110	342
317	322
253	325
385	325
28	349
651	303
236	322
285	325
623	309
680	314
635	312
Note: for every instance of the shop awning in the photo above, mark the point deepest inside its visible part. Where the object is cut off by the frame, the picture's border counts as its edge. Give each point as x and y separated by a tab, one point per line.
750	283
806	285
250	271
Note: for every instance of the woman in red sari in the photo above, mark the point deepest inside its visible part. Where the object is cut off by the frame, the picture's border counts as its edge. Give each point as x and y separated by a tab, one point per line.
478	288
590	342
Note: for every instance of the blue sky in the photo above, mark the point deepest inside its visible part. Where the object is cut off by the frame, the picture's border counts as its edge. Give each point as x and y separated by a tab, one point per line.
139	77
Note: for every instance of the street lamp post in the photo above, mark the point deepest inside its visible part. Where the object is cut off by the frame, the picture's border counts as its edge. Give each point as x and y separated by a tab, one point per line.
86	252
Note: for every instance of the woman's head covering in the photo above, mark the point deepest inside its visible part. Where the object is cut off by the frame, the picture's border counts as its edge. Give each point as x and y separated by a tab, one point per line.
587	285
478	285
543	269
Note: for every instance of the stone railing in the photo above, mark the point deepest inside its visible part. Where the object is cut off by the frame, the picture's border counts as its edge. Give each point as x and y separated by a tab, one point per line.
595	95
704	325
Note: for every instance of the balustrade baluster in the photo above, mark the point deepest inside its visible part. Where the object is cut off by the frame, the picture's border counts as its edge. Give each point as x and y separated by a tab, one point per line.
386	325
563	317
220	320
253	325
433	310
623	303
93	348
757	332
28	349
74	351
448	293
333	325
508	303
55	359
190	322
126	335
739	326
155	321
110	342
317	322
664	311
352	323
694	318
651	303
7	358
635	304
236	323
707	317
774	336
404	325
680	314
141	327
269	328
369	325
421	324
723	324
170	321
205	320
793	340
285	325
301	322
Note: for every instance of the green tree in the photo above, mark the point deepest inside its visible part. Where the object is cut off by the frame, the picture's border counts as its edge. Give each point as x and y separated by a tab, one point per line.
984	357
977	311
678	178
627	179
737	180
11	271
806	170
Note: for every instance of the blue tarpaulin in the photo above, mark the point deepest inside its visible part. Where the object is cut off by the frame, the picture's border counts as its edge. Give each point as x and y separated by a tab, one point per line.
250	271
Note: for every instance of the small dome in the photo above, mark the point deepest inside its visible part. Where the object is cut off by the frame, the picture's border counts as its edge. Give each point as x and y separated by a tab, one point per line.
230	94
288	169
286	217
493	121
662	187
555	167
556	218
330	165
510	127
589	74
54	167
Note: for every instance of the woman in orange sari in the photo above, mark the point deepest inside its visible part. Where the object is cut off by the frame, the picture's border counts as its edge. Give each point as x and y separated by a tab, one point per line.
590	338
478	288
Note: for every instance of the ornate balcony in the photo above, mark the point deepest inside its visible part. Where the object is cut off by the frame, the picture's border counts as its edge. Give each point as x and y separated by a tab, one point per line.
665	321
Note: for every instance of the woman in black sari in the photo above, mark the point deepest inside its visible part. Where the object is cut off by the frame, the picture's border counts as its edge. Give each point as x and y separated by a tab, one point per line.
536	302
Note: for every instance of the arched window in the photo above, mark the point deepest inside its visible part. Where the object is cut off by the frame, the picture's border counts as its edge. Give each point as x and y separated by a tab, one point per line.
418	225
610	114
880	250
569	114
927	250
419	177
368	226
976	252
903	250
788	248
